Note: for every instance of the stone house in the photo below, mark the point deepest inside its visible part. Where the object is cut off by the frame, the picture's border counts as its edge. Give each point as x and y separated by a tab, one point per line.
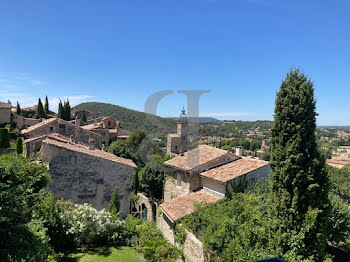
204	174
108	128
79	113
56	125
84	174
5	113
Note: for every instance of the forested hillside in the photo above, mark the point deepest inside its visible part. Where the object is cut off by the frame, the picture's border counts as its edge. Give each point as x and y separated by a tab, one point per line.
130	119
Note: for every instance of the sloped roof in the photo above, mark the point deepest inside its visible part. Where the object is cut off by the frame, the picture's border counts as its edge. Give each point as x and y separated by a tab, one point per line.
182	206
96	152
198	157
5	105
234	169
38	125
92	126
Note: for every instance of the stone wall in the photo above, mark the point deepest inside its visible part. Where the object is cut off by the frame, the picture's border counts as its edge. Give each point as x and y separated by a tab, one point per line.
213	185
171	190
5	115
24	122
144	202
193	249
84	178
4	151
165	226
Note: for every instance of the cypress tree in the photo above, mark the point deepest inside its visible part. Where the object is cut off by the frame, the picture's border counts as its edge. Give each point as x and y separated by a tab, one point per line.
84	118
114	205
4	138
299	179
40	113
66	111
18	109
60	110
135	182
46	106
19	145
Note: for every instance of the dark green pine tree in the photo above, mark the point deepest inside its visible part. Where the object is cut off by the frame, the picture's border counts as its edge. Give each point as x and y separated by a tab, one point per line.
299	179
67	111
46	106
114	204
40	113
19	145
18	109
84	118
135	182
60	110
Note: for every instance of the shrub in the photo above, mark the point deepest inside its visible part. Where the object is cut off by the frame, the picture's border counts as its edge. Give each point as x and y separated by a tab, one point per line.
19	145
88	226
114	204
4	138
167	253
129	230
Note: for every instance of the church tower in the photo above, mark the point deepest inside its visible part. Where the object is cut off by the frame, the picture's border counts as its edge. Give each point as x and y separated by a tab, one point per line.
177	143
182	131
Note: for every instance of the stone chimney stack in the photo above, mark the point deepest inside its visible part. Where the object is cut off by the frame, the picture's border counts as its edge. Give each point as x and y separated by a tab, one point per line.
91	144
238	151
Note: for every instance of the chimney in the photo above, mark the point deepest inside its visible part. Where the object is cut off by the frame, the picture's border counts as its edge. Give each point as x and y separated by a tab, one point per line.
95	122
238	151
77	122
91	144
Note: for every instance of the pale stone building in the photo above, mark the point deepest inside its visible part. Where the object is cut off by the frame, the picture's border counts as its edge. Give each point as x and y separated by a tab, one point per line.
177	143
84	174
205	174
36	133
5	113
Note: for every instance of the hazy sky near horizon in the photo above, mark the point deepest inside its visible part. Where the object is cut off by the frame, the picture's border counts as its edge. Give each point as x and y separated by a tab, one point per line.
121	52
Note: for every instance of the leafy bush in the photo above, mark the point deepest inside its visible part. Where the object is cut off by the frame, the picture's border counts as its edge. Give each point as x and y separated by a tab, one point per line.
129	230
339	181
88	226
28	243
4	138
339	220
151	243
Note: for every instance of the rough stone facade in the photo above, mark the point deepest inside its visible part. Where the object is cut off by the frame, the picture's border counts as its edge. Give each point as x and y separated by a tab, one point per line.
60	126
84	177
5	113
193	249
177	143
166	227
24	122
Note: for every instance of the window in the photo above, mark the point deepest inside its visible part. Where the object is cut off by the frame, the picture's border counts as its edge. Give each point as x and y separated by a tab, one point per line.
51	128
178	180
175	147
109	123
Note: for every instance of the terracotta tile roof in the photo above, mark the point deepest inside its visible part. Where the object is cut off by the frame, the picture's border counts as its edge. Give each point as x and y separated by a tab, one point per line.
91	126
38	125
5	105
96	152
197	157
57	137
182	206
234	169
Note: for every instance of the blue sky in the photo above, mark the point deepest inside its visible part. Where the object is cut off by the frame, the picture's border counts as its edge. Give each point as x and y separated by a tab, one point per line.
121	52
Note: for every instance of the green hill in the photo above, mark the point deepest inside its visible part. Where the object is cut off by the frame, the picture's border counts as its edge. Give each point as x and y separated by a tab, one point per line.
130	119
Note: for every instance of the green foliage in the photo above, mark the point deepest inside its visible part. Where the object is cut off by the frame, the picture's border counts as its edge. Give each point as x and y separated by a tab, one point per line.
298	173
18	110
339	181
64	110
83	117
131	119
152	182
245	228
129	229
21	181
135	182
4	138
28	242
114	204
151	244
19	145
40	112
47	210
46	106
179	233
339	220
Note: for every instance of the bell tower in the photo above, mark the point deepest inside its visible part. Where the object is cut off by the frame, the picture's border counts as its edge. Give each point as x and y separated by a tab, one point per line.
182	131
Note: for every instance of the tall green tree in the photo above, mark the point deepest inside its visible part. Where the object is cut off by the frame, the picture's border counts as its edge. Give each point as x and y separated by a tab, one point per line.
66	111
4	138
114	204
299	179
40	113
60	110
135	182
84	118
46	106
18	109
19	145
